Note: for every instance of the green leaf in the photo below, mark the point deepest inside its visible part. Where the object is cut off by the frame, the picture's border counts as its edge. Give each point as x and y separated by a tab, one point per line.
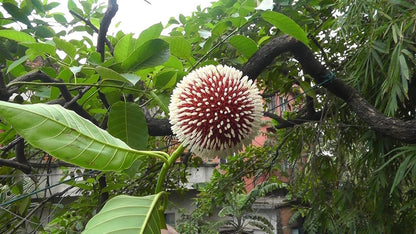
404	69
174	62
16	36
44	31
73	7
286	25
17	13
40	48
16	63
150	54
244	45
123	48
220	28
150	33
132	78
163	105
165	80
60	18
401	172
129	214
109	74
69	137
179	47
65	46
126	121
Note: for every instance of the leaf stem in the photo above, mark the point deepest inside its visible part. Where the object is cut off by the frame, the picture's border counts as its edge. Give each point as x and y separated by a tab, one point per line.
163	172
157	154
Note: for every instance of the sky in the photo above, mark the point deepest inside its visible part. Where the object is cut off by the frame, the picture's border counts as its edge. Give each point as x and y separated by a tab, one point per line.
137	15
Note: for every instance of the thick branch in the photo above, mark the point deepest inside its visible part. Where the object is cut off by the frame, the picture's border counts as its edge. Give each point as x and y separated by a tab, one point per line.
395	128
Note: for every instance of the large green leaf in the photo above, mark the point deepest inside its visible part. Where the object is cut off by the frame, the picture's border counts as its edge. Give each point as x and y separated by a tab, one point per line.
244	45
126	121
150	54
286	25
67	136
128	214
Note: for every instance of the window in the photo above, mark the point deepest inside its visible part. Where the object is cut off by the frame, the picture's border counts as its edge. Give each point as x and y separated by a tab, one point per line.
271	104
282	105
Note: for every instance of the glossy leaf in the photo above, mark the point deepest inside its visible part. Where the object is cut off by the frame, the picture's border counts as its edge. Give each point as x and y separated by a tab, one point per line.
67	136
129	214
127	122
286	25
150	54
244	45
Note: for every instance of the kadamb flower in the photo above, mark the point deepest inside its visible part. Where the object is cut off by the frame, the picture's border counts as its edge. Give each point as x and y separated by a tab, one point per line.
215	111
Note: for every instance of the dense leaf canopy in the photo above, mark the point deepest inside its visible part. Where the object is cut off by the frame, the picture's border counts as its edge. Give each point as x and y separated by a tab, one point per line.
347	67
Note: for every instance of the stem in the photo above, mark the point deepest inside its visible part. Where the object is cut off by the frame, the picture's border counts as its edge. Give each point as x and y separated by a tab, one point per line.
157	154
166	166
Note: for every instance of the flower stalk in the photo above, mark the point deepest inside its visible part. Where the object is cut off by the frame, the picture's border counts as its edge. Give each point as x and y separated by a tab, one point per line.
166	166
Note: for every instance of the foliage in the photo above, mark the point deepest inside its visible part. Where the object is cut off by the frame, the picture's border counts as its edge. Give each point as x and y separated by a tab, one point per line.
346	177
239	208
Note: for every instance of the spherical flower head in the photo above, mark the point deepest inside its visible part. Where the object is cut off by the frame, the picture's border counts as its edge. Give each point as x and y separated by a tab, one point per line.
215	111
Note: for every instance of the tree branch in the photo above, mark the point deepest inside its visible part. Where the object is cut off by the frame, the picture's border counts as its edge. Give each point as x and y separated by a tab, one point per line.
13	87
283	123
15	164
105	23
395	128
4	94
159	127
88	22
